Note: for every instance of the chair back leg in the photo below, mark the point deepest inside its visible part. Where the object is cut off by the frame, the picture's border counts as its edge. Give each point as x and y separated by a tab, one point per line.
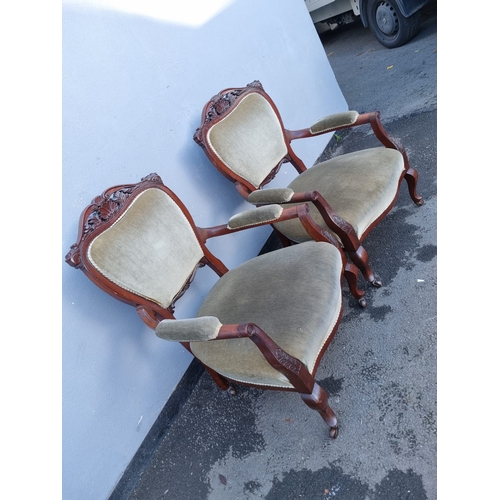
411	177
221	381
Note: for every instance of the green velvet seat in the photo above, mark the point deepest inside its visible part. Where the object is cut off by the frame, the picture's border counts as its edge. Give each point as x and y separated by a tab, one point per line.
299	319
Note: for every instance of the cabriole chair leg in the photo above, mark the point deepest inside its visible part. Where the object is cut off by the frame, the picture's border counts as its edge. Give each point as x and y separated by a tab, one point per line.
360	259
411	177
318	401
351	275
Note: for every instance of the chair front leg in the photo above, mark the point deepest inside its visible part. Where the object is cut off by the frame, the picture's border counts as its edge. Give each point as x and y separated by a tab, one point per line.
351	275
360	260
311	393
317	399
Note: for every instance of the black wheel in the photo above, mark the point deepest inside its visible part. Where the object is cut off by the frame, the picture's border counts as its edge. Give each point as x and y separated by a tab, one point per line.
388	24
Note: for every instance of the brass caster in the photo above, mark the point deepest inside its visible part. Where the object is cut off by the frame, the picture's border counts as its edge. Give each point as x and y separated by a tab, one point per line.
231	391
376	283
362	302
334	432
420	202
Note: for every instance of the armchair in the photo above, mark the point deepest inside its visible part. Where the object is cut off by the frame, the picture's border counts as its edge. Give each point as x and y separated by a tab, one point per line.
265	323
243	135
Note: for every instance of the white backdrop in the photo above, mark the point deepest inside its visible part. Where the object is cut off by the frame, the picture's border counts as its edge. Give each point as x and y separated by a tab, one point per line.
135	78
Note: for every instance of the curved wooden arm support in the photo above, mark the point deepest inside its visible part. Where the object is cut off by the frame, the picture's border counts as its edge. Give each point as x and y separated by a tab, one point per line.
319	234
339	226
411	175
381	134
292	368
316	232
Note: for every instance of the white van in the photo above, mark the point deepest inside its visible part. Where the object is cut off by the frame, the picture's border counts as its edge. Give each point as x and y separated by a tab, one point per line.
393	22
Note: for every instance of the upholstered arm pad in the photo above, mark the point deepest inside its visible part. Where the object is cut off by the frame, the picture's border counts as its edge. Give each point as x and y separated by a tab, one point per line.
189	330
259	215
276	195
334	121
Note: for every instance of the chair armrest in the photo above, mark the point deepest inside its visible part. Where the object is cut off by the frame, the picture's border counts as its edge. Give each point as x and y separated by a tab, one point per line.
339	226
267	196
259	216
349	119
255	217
207	328
189	330
269	214
329	123
333	122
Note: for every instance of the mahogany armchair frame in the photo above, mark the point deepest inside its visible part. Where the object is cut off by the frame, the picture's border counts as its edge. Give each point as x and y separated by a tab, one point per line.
220	105
107	208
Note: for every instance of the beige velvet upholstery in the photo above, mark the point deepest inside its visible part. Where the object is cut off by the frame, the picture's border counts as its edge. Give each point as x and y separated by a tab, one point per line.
334	121
259	215
272	195
249	140
189	330
293	294
358	186
151	250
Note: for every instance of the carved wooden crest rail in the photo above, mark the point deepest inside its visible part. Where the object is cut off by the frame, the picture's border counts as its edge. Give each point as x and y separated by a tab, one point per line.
101	210
219	104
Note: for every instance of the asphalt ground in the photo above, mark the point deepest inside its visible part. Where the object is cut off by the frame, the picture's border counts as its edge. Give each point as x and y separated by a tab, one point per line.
379	370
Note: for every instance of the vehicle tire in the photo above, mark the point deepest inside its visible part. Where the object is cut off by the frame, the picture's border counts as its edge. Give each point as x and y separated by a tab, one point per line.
388	24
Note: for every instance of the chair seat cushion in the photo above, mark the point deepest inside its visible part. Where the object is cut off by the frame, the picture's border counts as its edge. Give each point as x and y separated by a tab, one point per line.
359	186
293	294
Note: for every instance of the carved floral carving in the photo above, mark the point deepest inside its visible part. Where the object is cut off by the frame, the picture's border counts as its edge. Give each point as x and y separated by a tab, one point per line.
102	209
219	104
108	204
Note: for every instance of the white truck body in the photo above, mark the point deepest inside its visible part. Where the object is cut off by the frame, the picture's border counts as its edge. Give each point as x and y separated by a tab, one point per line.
393	22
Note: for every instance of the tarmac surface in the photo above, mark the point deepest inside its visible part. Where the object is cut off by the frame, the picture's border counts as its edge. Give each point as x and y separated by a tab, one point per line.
379	370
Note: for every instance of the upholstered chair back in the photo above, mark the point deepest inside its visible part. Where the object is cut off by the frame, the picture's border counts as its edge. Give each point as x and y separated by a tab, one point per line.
249	140
151	250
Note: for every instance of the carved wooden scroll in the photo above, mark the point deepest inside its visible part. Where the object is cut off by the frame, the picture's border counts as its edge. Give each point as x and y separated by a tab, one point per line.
219	104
